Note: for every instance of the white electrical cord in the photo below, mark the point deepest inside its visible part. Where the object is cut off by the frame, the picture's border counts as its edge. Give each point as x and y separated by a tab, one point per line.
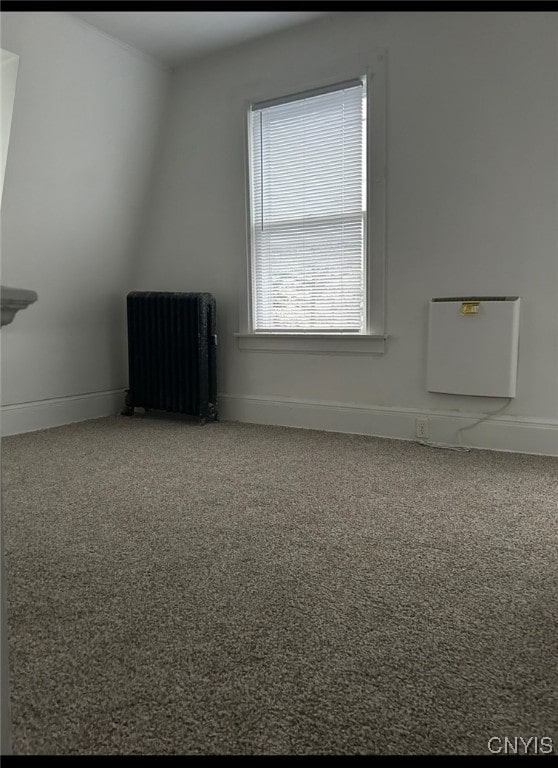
447	446
462	447
484	418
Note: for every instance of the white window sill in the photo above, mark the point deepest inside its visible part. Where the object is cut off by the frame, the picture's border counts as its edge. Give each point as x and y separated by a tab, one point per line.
344	343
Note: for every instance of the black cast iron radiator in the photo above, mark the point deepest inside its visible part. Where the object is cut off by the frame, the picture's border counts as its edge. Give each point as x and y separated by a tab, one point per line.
171	353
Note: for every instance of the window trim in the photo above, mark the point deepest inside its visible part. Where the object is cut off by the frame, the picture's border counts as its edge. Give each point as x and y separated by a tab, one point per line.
373	340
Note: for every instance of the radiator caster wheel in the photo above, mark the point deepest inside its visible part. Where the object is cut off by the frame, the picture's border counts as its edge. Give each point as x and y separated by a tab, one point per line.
212	412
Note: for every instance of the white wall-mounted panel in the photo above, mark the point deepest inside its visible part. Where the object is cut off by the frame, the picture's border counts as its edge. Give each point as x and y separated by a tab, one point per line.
473	346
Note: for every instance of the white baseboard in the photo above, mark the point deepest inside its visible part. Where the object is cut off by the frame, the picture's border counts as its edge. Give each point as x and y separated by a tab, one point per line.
42	414
502	433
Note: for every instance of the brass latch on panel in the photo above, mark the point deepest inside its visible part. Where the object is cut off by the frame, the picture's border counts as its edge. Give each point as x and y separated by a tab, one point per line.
470	307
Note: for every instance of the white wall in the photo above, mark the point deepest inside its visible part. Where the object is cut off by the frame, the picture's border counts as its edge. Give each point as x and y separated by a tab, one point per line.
86	117
472	209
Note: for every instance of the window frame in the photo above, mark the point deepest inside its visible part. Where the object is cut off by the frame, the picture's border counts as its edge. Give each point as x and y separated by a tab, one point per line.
373	339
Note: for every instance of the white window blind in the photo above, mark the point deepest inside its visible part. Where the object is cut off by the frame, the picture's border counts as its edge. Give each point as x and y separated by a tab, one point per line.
308	210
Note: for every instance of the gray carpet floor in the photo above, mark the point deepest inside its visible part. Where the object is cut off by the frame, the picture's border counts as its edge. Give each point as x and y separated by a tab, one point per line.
242	589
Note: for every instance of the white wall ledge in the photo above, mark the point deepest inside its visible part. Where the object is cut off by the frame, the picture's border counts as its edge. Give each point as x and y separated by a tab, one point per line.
14	299
313	343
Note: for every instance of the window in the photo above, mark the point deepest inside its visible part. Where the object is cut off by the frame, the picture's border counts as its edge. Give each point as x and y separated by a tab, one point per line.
308	208
316	213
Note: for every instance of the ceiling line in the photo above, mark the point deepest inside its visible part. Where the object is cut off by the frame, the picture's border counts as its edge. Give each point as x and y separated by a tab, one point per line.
147	57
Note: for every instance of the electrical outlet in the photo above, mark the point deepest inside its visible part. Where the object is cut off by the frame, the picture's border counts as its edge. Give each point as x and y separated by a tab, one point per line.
422	428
